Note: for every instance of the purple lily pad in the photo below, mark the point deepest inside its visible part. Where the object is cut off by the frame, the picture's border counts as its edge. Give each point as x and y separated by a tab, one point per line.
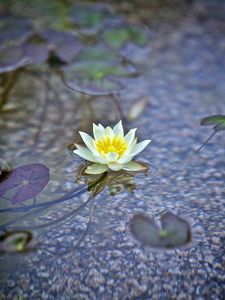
65	44
14	29
12	58
40	46
173	231
36	49
26	182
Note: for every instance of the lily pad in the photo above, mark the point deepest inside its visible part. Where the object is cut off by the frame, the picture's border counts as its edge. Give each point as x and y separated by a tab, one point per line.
40	46
118	36
65	44
144	229
14	30
36	49
173	231
217	120
17	241
89	18
97	75
25	182
12	58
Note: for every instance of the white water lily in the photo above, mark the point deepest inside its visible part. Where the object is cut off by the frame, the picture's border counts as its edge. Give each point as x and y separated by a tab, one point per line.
110	149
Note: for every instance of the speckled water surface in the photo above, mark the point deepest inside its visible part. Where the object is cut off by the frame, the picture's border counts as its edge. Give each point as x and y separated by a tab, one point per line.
183	75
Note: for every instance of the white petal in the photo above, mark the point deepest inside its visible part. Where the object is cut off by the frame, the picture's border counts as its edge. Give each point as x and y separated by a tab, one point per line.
139	147
88	140
114	166
101	127
112	156
98	131
129	137
84	153
109	132
125	159
96	169
118	129
134	166
100	159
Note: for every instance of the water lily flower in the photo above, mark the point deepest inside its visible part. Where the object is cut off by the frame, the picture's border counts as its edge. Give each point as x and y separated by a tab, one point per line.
110	149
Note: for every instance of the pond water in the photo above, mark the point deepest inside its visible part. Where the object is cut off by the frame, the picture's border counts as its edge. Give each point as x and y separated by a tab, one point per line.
159	67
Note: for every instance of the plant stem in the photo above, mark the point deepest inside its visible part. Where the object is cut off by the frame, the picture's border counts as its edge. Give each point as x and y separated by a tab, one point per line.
10	82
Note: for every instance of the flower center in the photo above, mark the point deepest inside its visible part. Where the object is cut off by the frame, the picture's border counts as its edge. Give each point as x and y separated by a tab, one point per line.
116	144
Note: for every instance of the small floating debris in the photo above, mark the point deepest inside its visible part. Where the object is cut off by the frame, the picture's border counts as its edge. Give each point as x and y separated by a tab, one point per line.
171	232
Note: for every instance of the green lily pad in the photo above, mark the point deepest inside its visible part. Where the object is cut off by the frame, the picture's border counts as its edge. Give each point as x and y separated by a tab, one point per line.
96	72
173	231
119	36
217	120
87	16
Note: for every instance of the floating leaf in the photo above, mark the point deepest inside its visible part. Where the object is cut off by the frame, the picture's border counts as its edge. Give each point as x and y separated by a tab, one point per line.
14	30
173	232
219	127
89	18
65	44
213	120
40	46
17	241
118	36
96	74
36	49
219	124
25	182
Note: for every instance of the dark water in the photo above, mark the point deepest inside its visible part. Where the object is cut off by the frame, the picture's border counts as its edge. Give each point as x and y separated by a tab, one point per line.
176	62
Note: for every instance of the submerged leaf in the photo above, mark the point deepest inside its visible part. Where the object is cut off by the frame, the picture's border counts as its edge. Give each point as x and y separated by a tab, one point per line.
174	231
177	230
25	182
144	229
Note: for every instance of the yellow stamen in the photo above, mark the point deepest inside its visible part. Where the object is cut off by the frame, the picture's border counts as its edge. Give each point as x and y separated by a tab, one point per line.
115	144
